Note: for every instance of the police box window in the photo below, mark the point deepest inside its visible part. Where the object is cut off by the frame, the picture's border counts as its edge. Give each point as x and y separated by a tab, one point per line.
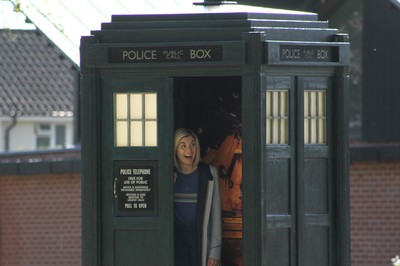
314	117
277	110
135	119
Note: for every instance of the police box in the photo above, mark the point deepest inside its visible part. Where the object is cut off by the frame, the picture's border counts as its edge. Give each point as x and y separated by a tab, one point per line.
265	90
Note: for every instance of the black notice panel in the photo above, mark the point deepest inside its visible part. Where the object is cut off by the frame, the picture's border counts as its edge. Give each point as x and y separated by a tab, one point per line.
135	184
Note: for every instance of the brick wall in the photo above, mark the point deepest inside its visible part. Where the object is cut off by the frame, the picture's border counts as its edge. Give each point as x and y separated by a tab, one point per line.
40	220
375	212
40	217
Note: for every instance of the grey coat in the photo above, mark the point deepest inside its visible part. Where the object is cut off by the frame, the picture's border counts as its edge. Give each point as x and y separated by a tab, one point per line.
209	225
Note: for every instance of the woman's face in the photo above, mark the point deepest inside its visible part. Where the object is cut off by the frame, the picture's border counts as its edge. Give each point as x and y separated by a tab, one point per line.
186	151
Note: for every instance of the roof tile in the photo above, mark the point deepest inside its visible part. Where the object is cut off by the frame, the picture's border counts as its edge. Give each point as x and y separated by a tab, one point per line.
35	78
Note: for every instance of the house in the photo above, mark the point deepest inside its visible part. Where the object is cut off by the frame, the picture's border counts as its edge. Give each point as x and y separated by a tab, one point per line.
37	85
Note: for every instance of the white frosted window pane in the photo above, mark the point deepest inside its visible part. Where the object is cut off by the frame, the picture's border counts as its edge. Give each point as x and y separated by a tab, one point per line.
313	107
275	103
284	104
275	133
136	133
314	130
321	103
283	115
121	106
136	106
322	131
151	133
284	132
151	106
121	133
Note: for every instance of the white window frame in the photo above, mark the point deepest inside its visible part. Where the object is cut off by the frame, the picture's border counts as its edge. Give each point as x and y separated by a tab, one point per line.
50	133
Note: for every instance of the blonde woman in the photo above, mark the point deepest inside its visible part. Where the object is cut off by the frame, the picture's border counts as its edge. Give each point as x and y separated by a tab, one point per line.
197	205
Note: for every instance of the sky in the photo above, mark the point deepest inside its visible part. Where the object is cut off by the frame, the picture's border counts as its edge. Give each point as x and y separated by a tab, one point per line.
10	19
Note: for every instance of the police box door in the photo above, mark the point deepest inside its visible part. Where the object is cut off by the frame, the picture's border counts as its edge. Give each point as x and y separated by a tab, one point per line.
136	184
298	183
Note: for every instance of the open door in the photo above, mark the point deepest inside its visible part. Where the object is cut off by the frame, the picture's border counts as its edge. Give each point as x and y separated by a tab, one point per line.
136	165
211	107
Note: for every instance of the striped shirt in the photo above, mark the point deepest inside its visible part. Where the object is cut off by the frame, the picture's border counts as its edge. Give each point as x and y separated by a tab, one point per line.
185	197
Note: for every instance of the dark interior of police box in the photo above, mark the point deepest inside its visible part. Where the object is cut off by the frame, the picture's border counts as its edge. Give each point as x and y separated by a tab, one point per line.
211	107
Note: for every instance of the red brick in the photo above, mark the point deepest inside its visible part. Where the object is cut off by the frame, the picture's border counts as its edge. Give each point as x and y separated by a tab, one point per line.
375	215
40	220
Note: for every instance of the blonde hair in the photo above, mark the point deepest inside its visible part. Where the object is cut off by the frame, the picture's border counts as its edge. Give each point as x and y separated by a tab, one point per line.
181	133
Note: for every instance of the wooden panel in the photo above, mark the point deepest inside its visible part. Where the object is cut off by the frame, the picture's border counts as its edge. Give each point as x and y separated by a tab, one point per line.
316	246
316	186
278	219
136	247
281	221
278	186
278	247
